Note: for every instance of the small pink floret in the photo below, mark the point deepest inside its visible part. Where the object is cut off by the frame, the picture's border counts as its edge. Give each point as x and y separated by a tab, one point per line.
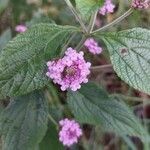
108	7
69	71
93	46
20	28
70	132
141	4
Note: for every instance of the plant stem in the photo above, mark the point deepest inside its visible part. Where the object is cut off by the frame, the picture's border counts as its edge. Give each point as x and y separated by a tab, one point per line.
101	67
92	22
91	26
89	30
119	19
53	120
76	15
66	45
52	91
79	46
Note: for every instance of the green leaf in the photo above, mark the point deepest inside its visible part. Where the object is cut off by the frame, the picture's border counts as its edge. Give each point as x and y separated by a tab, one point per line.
23	123
23	60
87	7
51	140
5	38
92	105
130	55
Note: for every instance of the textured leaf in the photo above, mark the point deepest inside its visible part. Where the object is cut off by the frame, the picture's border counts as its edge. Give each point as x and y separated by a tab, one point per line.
5	38
23	123
130	56
92	105
23	61
86	7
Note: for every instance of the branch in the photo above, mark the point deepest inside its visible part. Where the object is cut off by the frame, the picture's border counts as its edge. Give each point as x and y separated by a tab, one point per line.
119	19
76	15
101	67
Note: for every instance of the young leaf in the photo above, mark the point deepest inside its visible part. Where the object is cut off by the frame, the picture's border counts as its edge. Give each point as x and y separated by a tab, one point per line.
86	7
23	60
92	105
130	56
23	123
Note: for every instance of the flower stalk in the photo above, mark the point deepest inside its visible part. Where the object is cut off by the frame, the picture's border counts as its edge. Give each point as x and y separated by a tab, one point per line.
116	21
76	15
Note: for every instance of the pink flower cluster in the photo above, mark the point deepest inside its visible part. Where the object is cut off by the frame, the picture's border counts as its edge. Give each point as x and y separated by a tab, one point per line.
92	46
70	132
141	4
20	28
69	71
107	8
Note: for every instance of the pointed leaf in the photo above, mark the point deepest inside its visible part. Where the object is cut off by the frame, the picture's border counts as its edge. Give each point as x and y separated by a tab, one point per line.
23	60
23	123
92	105
130	55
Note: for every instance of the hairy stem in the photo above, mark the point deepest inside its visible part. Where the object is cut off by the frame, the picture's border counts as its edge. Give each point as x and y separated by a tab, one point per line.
76	15
92	22
79	46
66	45
53	120
101	67
89	30
119	19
